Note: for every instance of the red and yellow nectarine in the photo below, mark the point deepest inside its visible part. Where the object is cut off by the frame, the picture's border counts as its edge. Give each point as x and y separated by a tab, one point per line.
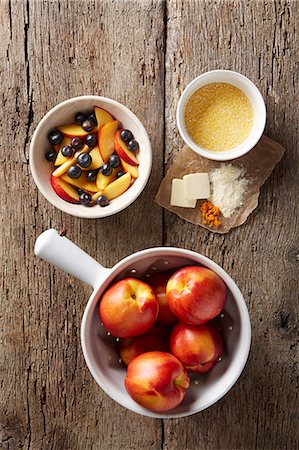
123	152
128	308
157	381
196	294
64	190
197	347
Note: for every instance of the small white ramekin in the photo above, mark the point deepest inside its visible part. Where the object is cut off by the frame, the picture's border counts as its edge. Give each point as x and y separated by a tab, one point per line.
256	100
64	113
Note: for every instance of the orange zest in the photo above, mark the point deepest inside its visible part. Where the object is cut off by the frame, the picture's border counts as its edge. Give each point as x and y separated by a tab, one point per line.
210	214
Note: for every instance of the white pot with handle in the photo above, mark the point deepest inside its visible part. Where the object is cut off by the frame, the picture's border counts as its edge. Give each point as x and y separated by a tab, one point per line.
99	348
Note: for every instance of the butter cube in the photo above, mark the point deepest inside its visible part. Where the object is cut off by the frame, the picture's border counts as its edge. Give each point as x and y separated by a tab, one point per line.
178	197
196	186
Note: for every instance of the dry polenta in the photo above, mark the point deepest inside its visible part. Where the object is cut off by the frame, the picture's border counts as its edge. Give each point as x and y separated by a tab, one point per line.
218	116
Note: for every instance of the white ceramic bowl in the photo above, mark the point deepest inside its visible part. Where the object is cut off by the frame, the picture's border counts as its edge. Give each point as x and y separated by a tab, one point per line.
64	113
99	348
256	100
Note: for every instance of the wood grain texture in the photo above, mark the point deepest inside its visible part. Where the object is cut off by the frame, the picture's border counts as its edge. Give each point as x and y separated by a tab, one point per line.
142	53
52	51
258	39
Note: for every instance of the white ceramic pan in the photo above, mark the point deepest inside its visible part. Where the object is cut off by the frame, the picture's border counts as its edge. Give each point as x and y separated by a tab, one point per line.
99	348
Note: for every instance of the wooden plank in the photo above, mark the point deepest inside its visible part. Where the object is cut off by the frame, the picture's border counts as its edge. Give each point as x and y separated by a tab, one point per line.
52	51
259	40
55	50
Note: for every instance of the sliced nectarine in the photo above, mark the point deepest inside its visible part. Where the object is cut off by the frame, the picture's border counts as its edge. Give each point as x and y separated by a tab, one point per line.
123	151
95	196
80	182
70	162
72	130
103	180
117	187
132	170
64	190
60	158
102	116
96	159
106	139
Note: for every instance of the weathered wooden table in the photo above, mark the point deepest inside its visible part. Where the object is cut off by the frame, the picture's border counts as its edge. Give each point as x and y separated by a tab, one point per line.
143	53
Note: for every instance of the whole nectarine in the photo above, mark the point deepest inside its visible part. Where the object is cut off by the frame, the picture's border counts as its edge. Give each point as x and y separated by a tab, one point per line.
197	347
157	381
128	308
196	294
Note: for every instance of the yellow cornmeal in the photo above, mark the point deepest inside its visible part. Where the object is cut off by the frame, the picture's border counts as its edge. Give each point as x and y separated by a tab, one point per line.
218	116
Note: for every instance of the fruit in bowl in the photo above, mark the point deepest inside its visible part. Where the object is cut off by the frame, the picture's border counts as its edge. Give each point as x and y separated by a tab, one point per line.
128	308
197	347
196	294
159	282
86	157
157	345
157	381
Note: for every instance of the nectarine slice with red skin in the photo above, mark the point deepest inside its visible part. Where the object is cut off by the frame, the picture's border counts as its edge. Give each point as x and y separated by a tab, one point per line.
157	381
133	170
64	190
102	116
72	130
196	294
157	338
123	152
117	187
106	139
128	308
198	347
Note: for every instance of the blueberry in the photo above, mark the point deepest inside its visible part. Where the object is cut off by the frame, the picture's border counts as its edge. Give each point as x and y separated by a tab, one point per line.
126	135
92	118
85	199
77	143
51	155
106	169
80	117
55	137
91	175
74	172
87	125
114	161
133	145
102	201
67	151
84	160
80	191
120	174
91	140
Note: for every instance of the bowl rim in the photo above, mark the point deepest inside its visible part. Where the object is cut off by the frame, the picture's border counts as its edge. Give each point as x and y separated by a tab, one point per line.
71	208
226	155
236	293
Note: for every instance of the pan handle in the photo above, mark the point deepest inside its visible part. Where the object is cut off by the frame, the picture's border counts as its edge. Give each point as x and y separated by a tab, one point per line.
63	253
